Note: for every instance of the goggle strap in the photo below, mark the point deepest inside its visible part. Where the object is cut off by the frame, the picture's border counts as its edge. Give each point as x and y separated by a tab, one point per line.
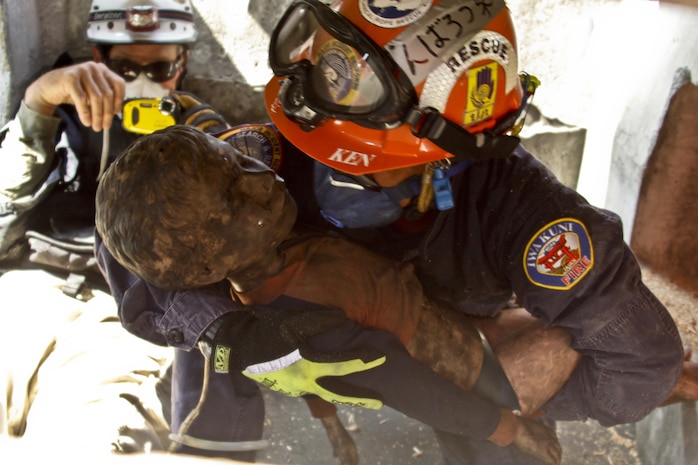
454	139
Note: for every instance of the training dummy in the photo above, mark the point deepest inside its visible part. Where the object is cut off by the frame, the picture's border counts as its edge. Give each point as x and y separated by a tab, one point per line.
208	213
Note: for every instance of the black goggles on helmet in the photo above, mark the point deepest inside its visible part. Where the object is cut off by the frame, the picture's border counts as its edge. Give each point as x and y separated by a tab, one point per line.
335	71
159	71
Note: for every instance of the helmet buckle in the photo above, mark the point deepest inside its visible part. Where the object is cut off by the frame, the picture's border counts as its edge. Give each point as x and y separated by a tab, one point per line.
425	122
142	18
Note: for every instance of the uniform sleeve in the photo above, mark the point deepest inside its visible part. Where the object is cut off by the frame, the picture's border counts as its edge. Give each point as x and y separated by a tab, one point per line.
566	260
172	318
26	156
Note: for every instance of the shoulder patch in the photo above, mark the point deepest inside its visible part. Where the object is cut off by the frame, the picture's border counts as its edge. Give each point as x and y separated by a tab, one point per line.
260	141
559	255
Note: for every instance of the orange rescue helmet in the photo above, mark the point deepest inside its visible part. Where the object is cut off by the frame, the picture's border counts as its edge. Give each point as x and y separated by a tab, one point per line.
371	85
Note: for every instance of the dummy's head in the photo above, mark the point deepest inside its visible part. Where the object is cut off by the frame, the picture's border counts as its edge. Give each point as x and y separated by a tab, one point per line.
181	209
365	86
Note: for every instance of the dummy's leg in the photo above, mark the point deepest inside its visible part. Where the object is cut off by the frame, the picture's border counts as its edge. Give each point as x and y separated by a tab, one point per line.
343	445
687	388
537	361
416	390
232	412
628	368
458	450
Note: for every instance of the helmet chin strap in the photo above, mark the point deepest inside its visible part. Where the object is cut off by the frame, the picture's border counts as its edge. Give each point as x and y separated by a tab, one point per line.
453	138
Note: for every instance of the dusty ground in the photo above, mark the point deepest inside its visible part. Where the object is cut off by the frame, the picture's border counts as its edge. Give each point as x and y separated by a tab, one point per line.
386	437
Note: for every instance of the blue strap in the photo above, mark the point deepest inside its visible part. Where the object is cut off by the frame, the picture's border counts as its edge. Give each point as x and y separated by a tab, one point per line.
410	187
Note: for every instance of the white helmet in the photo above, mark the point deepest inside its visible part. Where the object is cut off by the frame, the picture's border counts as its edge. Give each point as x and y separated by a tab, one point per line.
141	21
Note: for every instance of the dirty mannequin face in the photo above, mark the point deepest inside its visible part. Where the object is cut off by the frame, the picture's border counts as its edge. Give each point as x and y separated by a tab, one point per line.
182	209
262	215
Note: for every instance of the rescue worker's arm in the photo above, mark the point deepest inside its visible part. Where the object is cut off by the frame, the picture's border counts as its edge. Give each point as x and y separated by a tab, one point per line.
28	142
260	341
271	348
26	158
94	90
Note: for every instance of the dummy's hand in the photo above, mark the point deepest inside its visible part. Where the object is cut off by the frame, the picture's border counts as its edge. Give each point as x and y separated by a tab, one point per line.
529	435
538	440
271	349
96	92
197	113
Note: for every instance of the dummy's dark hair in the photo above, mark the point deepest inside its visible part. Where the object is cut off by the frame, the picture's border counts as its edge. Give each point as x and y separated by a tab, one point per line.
157	201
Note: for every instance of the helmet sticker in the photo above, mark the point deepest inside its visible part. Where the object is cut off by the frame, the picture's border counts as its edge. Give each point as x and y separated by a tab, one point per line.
338	64
559	255
482	82
486	45
350	157
257	141
442	32
393	13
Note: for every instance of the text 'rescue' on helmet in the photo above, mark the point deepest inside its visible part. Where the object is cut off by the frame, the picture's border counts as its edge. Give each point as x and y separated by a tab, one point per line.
372	85
141	21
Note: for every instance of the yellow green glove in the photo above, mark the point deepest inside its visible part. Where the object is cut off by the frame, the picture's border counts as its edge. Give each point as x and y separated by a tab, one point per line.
296	376
270	347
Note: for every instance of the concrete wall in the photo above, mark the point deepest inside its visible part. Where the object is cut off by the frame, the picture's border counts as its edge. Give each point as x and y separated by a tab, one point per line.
666	221
610	67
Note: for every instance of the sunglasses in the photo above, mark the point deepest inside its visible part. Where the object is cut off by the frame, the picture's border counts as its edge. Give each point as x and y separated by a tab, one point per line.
159	71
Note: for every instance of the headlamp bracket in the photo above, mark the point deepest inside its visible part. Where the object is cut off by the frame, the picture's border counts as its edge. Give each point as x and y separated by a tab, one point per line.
295	107
142	18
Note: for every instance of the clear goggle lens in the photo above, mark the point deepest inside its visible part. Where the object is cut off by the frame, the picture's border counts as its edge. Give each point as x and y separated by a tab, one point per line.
343	71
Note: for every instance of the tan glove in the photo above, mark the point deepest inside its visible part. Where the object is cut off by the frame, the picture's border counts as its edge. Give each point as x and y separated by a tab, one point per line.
199	114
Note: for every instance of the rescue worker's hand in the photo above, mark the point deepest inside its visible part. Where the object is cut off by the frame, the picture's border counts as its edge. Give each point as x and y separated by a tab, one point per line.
96	92
271	348
529	435
201	115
